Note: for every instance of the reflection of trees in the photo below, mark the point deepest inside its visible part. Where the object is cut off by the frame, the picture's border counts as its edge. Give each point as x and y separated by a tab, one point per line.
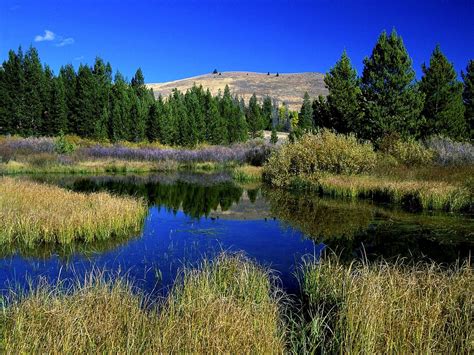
320	218
359	228
46	250
196	194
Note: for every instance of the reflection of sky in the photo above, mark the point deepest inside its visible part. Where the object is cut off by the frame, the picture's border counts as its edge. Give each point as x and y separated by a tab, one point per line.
170	241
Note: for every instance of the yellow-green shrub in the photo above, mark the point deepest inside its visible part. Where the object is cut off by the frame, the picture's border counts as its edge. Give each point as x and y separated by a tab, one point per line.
322	152
410	152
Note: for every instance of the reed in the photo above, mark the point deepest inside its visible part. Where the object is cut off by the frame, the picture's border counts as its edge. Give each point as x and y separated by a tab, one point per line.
33	213
388	307
222	307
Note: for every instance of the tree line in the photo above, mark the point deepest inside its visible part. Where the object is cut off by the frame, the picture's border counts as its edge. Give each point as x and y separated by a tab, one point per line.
91	103
387	99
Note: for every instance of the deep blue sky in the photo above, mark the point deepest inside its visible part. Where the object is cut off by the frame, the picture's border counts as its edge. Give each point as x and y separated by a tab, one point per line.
177	39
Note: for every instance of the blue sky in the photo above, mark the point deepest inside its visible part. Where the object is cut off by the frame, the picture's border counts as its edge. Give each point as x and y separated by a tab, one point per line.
176	39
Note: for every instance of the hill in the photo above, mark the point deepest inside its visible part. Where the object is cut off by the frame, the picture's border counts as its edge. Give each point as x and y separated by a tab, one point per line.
288	88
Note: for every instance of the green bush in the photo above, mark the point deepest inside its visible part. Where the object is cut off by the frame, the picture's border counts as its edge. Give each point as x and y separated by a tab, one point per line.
63	146
409	153
316	153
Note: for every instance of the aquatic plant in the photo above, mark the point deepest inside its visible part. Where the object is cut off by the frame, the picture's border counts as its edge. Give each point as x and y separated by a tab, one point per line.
34	213
224	306
385	308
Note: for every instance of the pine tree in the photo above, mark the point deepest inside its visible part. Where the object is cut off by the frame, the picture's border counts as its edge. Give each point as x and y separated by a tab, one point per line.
254	118
391	99
140	99
119	125
85	102
267	111
344	96
34	81
322	116
468	96
5	105
240	125
306	114
169	125
68	76
46	93
443	108
274	136
216	132
57	114
103	82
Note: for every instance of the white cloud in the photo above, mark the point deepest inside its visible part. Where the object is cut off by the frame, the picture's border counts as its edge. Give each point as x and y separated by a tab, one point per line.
79	58
48	36
65	42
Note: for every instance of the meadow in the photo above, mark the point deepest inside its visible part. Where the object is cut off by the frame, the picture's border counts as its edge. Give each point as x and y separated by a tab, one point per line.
74	155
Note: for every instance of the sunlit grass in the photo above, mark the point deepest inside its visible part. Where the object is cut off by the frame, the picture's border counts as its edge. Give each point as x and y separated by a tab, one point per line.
223	307
247	173
387	308
413	193
32	213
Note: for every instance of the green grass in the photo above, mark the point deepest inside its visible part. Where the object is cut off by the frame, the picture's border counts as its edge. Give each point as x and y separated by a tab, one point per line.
247	174
223	307
386	308
33	213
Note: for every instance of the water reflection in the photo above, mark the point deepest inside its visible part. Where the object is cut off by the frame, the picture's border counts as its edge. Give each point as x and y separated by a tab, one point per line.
193	215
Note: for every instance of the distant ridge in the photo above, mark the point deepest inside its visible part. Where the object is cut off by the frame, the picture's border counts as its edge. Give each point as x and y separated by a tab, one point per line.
288	88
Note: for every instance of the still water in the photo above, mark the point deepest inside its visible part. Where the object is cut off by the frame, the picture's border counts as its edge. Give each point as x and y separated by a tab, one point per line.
192	216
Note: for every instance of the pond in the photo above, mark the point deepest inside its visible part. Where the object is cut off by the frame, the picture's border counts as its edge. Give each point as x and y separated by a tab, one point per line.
192	216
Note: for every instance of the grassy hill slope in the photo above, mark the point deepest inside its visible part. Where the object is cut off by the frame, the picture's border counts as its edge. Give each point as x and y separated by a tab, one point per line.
288	88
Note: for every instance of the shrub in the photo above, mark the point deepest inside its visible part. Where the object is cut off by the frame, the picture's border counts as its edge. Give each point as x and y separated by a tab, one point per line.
6	153
323	152
63	146
409	153
448	152
31	145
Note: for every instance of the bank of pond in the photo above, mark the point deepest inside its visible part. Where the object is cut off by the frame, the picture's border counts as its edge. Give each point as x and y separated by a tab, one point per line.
228	266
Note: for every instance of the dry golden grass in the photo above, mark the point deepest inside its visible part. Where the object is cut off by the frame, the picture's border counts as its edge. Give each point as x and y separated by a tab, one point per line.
32	213
422	194
224	307
289	88
391	308
247	173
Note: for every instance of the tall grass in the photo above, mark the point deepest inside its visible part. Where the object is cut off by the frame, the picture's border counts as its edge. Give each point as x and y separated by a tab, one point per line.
32	213
247	173
223	307
413	194
387	308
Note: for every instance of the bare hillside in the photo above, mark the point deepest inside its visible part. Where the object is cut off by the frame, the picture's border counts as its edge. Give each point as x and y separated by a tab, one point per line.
288	88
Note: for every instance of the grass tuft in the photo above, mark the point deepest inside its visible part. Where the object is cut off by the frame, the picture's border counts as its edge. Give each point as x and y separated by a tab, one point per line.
34	213
225	306
386	308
